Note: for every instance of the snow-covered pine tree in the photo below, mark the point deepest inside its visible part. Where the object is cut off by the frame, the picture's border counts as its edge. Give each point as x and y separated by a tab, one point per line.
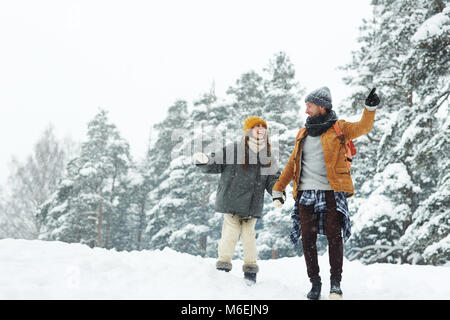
58	216
121	221
282	92
248	94
136	190
168	197
404	53
83	209
144	179
194	230
426	69
189	227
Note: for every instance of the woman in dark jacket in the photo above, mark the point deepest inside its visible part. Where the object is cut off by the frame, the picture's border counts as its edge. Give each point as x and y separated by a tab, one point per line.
247	168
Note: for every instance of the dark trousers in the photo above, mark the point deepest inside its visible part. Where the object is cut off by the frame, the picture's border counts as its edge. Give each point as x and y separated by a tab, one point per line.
310	227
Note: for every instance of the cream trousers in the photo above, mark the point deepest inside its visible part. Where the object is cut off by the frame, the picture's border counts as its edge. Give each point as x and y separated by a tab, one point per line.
233	226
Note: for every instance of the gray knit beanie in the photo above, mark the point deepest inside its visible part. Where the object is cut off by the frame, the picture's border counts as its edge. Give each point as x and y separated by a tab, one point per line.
320	97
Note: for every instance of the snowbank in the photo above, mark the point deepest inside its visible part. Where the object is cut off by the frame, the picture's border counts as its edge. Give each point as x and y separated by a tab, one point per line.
56	270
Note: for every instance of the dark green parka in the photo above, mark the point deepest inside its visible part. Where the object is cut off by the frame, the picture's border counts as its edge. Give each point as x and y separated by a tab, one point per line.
241	190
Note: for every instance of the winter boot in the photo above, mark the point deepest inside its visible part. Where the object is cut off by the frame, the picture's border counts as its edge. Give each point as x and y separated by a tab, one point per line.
314	293
335	290
223	266
250	271
250	278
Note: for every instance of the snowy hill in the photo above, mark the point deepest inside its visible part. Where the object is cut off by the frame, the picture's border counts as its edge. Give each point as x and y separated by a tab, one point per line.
57	270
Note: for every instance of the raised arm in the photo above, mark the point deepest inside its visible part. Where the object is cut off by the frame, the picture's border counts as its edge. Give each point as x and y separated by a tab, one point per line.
353	130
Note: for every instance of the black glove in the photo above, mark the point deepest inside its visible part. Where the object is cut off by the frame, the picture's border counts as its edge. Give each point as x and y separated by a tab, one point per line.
281	199
372	100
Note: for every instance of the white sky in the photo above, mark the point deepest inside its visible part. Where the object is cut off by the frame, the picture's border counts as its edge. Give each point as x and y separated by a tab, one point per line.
61	60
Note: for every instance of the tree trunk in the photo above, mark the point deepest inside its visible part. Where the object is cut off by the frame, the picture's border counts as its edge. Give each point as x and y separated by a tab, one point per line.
409	98
141	225
99	225
203	243
109	214
274	253
107	236
440	5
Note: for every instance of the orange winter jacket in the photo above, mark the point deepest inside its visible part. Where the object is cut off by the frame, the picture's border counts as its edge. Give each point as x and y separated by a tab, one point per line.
334	154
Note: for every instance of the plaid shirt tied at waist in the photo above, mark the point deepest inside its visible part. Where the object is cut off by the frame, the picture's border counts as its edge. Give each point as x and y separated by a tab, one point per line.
317	198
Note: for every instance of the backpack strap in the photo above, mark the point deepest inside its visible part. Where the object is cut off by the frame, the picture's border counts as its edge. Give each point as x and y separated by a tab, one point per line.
300	132
339	132
348	150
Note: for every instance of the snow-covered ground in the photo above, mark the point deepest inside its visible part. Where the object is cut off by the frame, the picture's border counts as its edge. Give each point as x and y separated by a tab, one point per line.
57	270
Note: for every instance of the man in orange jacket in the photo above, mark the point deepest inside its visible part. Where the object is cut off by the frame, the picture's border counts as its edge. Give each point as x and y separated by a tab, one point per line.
322	182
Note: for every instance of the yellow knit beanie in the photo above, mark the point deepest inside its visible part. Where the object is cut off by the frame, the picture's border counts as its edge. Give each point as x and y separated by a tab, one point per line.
250	122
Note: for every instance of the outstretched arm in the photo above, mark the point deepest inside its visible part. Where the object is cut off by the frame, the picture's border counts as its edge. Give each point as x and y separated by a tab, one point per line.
210	164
